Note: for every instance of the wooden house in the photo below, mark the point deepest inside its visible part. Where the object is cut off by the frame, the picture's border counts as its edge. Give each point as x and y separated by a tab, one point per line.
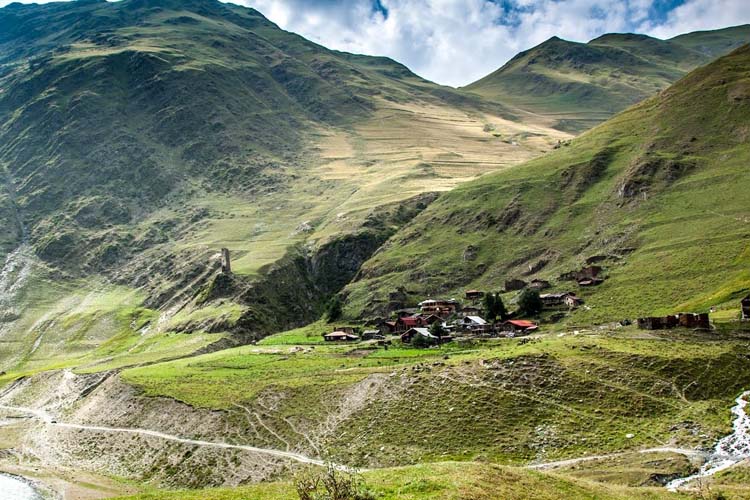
568	299
685	320
474	295
553	299
372	335
538	284
405	323
409	335
572	301
345	329
440	307
340	337
475	324
514	284
519	326
745	304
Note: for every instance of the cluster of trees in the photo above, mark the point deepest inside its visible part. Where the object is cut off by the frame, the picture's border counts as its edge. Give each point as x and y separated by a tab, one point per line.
494	309
529	304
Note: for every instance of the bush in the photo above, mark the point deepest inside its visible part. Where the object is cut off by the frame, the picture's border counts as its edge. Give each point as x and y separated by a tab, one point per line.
332	484
333	309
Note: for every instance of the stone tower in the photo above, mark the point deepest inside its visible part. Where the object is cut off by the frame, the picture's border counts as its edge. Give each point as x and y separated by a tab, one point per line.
226	265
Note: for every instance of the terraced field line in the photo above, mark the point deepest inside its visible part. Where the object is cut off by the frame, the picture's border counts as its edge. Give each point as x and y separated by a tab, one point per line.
48	419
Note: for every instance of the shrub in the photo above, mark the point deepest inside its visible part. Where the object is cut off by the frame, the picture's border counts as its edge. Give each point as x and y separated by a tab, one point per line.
331	484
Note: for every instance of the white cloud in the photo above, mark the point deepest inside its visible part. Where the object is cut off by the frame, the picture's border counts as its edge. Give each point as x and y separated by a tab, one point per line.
458	41
698	15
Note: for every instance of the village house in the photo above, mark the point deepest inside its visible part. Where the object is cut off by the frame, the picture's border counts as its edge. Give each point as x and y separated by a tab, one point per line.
745	304
338	336
388	327
568	299
588	276
517	326
432	318
553	299
591	282
405	323
372	335
406	312
685	320
572	301
470	311
475	324
474	295
688	320
442	307
409	335
514	284
538	284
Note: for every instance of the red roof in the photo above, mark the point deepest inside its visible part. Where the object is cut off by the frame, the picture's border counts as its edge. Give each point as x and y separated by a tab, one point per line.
521	323
412	320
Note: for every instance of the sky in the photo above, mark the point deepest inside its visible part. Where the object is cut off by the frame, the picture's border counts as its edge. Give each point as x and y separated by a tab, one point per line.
455	42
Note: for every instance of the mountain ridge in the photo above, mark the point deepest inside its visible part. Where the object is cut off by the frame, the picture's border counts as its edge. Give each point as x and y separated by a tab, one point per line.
603	195
585	83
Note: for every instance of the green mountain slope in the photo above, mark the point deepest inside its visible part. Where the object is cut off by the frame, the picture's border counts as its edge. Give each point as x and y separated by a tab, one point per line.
582	84
140	137
655	195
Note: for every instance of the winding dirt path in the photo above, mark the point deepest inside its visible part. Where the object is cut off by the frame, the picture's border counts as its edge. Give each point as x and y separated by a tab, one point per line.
573	461
49	420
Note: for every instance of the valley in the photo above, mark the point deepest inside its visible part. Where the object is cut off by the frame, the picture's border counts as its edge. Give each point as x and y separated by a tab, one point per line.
231	258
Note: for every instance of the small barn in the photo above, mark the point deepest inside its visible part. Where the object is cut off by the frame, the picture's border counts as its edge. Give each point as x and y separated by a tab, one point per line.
514	284
340	337
689	320
372	335
474	295
572	301
538	284
553	299
745	304
345	329
474	323
519	326
409	335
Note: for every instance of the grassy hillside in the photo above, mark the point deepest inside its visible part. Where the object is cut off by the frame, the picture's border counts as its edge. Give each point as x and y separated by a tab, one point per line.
582	84
655	194
139	137
442	481
501	401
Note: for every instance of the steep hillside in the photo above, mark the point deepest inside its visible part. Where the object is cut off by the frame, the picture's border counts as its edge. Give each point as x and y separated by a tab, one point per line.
139	137
582	84
655	196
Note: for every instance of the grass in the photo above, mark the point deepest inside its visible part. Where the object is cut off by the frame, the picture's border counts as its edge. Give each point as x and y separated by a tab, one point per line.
555	397
677	242
285	147
448	480
580	85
